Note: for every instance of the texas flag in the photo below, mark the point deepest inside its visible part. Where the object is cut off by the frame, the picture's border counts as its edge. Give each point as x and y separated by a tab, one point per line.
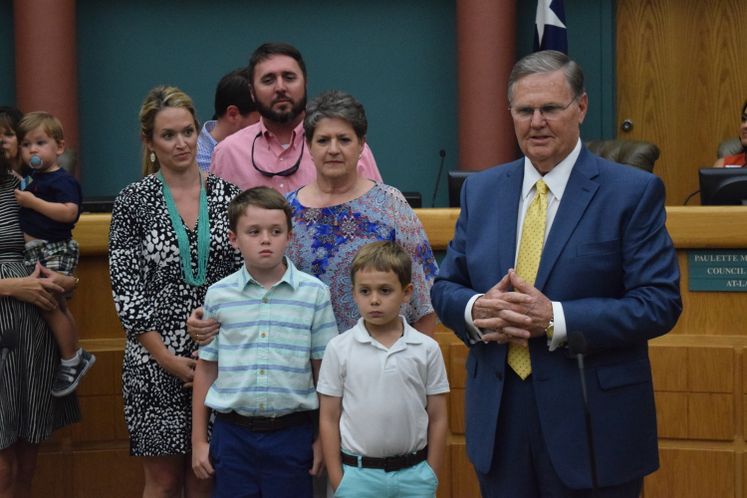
551	33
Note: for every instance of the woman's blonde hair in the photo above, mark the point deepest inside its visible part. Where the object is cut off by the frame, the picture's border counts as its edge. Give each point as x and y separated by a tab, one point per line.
157	99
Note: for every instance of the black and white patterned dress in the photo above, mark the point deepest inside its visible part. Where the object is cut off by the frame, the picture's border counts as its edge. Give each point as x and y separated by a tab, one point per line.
28	411
149	294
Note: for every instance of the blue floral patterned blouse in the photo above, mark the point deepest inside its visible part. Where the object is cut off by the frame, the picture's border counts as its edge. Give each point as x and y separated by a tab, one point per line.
325	240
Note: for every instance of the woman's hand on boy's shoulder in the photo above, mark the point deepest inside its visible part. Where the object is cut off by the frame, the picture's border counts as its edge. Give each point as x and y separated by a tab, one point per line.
200	330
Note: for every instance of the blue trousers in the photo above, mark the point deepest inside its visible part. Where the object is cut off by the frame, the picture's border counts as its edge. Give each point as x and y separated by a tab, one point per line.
261	464
521	465
418	481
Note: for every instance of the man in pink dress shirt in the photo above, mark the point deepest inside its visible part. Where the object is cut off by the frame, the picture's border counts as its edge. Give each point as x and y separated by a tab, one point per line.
273	152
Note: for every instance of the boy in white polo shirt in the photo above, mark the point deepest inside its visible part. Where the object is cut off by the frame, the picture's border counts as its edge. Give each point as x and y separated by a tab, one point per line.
383	389
258	373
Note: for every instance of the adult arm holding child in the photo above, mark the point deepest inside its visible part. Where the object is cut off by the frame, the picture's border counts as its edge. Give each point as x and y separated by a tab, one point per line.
200	329
59	282
32	289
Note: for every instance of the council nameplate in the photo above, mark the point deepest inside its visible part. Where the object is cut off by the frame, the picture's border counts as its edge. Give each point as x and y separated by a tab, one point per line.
717	271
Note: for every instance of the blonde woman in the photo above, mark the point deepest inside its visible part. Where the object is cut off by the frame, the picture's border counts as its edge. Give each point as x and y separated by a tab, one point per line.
168	243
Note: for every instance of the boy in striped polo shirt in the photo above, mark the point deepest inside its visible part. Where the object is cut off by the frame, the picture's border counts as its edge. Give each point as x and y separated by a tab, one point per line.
258	374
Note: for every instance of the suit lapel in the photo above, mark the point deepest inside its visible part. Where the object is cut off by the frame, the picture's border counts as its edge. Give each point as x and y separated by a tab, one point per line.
507	209
578	194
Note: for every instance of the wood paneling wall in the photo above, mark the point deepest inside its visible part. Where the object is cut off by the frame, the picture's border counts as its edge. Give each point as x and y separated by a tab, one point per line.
681	77
700	378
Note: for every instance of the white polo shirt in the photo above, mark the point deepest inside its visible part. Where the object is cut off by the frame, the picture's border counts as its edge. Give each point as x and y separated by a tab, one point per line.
383	390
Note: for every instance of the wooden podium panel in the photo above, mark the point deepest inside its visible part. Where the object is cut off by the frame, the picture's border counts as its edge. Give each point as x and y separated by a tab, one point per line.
463	479
457	382
696	472
699	369
54	475
107	473
694	391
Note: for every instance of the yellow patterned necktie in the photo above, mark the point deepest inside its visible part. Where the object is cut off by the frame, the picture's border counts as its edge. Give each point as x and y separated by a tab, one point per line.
530	252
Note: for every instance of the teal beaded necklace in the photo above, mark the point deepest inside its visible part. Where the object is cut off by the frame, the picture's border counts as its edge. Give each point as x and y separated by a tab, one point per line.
203	236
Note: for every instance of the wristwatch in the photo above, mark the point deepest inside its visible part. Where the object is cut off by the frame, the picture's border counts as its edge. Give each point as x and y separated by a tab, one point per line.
550	328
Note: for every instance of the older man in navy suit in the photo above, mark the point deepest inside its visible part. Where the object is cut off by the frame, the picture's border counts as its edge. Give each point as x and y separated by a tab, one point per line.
558	242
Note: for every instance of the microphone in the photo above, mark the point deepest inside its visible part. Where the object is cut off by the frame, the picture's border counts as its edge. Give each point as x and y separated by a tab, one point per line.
577	345
441	153
8	343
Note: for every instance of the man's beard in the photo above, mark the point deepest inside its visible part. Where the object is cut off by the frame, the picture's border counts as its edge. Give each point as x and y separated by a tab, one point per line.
282	117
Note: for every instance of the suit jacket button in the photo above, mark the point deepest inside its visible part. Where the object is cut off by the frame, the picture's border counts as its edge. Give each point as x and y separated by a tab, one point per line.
499	375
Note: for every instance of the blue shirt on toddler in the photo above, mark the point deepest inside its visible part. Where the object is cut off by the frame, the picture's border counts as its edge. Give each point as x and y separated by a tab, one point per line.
57	186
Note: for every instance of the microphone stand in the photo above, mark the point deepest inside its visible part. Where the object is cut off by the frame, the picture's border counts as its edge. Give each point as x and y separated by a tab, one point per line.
577	345
441	153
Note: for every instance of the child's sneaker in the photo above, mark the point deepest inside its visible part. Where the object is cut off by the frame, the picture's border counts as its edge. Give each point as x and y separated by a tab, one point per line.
66	378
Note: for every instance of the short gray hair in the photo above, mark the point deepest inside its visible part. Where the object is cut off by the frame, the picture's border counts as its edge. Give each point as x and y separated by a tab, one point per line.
548	61
335	104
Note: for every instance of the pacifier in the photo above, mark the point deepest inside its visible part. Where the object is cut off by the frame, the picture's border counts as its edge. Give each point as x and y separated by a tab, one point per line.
35	162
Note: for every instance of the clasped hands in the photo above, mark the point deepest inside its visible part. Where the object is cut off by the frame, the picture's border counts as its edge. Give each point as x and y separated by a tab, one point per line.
512	311
41	288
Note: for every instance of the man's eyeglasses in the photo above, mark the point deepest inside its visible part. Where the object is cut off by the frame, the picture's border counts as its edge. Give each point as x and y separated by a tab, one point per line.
547	111
285	172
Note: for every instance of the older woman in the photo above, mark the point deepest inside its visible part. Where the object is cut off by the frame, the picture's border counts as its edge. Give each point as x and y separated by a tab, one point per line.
341	211
28	413
737	160
168	243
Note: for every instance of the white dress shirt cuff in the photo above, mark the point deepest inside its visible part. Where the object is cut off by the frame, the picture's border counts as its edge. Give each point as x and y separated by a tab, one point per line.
559	334
474	333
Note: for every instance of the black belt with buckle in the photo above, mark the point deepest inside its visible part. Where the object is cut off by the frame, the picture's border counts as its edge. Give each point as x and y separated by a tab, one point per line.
267	424
388	464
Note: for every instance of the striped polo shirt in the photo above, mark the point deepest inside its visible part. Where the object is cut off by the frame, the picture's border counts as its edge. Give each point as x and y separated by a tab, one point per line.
266	342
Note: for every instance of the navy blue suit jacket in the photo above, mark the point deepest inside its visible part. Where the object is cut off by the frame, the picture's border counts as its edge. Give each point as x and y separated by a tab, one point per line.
609	260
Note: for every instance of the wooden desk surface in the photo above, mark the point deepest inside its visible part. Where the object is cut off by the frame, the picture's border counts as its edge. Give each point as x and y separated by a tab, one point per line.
699	227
